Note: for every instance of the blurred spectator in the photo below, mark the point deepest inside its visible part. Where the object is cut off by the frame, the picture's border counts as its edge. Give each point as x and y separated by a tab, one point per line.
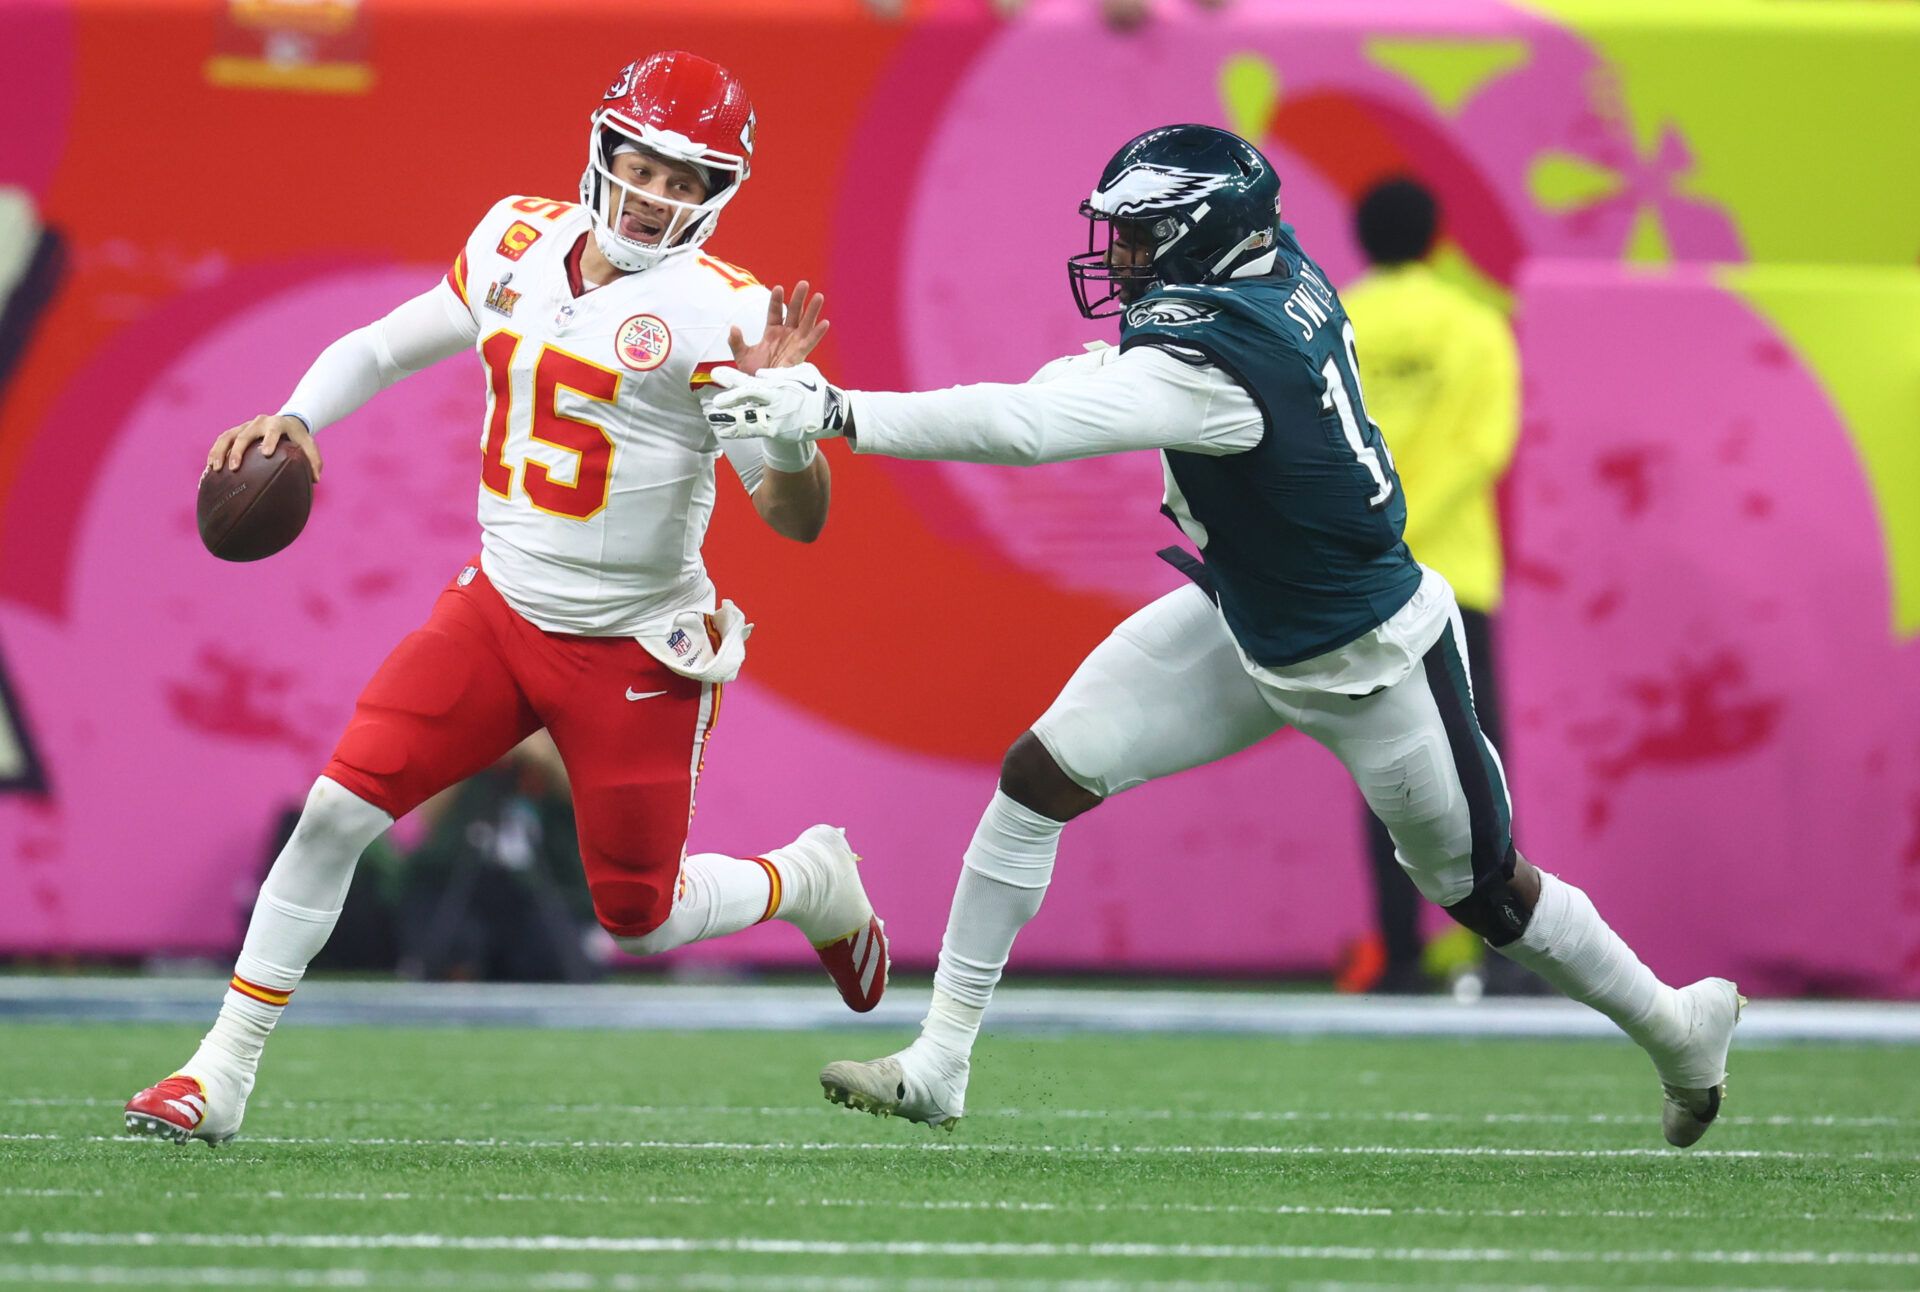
1442	380
496	892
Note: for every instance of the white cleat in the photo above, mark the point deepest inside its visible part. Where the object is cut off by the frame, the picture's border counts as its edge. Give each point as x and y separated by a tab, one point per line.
906	1084
1696	1086
208	1106
828	903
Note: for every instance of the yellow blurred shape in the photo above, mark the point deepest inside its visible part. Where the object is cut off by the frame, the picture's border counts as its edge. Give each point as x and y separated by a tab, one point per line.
1449	71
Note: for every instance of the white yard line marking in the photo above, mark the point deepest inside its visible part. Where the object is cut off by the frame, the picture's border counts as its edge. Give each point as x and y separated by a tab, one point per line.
588	1281
1072	1114
203	1276
583	1280
647	1245
861	1146
1338	1285
964	1205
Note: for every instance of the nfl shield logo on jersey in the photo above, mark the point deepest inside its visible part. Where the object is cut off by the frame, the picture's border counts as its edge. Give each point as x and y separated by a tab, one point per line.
680	643
643	342
466	575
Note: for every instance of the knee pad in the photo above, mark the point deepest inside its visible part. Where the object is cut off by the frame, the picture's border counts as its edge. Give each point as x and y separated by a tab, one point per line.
629	908
335	817
1493	909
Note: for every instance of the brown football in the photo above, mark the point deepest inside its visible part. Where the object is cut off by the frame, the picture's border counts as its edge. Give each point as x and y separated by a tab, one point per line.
260	508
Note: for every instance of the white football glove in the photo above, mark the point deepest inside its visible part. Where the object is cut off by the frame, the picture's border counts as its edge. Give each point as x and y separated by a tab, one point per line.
789	405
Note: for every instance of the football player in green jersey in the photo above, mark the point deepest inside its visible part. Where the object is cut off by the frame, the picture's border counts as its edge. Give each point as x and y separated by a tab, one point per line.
1307	610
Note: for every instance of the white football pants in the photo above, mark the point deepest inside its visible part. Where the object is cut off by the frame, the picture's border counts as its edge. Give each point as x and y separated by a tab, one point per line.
1167	691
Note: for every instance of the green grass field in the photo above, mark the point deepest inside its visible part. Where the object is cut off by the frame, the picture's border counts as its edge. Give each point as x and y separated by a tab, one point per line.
482	1159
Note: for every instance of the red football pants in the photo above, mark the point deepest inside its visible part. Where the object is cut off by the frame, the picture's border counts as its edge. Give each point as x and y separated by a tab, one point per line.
477	679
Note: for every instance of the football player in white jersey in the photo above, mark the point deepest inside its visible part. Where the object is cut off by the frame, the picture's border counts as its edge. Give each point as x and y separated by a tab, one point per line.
588	610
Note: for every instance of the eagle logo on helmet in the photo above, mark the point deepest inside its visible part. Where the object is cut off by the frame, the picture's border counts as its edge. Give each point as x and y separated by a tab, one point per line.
1147	186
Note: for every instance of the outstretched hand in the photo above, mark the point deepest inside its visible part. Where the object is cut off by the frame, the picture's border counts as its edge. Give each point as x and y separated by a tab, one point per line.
793	330
793	405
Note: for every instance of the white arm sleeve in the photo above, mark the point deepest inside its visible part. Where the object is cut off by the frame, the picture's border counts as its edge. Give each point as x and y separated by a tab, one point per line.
1144	399
364	362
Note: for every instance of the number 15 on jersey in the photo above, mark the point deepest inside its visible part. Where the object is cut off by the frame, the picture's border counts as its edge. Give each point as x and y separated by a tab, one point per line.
555	370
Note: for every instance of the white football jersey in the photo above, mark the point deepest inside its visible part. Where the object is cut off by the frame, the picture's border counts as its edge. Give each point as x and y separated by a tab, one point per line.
597	464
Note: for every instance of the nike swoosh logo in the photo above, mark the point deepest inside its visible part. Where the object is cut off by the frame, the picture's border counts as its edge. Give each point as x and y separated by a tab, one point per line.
806	385
642	695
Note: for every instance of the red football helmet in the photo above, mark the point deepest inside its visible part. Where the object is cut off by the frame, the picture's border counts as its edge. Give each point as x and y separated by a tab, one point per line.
681	106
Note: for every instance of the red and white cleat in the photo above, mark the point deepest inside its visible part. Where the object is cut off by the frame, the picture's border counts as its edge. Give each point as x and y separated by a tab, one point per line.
824	898
858	965
173	1110
184	1107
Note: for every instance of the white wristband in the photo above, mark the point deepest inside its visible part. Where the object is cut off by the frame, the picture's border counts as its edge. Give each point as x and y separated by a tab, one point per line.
782	456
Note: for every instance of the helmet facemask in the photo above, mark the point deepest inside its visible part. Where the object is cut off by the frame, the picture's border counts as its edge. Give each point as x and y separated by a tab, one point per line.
605	194
1124	284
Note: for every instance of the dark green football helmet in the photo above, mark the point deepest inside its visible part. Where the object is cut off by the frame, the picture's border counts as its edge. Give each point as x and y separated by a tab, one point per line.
1202	201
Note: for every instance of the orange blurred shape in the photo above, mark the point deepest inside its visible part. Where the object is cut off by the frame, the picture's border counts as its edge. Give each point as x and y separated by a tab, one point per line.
318	17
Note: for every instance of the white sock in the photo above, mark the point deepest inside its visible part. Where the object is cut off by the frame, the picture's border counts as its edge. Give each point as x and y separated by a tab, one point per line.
805	894
1008	867
1569	945
298	905
951	1026
717	895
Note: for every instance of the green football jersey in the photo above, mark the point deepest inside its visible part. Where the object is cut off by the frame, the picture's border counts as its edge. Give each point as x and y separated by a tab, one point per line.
1302	533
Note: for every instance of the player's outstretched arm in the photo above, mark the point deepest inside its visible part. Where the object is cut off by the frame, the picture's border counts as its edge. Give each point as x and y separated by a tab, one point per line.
1146	399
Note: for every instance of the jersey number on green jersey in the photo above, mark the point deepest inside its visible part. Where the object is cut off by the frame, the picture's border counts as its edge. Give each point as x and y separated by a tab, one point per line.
1367	445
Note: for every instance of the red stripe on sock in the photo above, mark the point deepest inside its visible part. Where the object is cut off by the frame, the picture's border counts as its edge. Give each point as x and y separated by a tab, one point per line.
265	995
773	889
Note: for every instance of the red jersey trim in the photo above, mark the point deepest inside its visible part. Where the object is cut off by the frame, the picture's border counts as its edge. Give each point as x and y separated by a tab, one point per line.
457	278
576	284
